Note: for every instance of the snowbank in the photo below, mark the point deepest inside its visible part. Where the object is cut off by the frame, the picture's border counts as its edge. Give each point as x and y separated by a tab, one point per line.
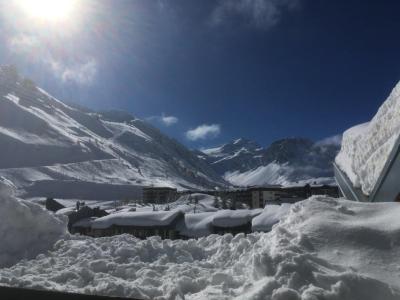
232	218
26	229
271	215
323	249
196	225
366	147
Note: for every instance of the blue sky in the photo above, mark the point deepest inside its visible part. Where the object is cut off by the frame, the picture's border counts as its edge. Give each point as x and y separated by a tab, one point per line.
206	72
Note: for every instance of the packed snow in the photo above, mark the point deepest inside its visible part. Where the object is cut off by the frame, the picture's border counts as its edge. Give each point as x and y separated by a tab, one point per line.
271	215
322	248
366	147
26	229
145	218
232	218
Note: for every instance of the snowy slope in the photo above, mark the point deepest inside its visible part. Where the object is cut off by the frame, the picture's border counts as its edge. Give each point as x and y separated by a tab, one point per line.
46	143
366	147
287	161
26	229
303	257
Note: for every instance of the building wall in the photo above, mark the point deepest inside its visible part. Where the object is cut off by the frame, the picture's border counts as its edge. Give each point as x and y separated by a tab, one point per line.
159	196
256	199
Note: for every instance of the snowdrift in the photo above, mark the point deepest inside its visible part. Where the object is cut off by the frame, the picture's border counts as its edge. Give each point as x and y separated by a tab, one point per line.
323	248
26	229
367	147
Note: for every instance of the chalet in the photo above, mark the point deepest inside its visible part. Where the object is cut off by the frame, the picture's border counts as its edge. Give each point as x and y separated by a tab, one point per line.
219	222
53	205
140	224
159	195
84	213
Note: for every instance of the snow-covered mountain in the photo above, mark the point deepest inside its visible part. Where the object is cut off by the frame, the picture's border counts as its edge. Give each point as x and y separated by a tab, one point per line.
293	160
50	148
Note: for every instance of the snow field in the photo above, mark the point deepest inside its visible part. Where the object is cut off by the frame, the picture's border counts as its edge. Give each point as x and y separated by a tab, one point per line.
322	249
26	229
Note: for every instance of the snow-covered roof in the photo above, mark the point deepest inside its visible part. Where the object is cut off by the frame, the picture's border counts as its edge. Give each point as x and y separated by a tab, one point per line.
232	218
200	224
197	225
86	223
139	219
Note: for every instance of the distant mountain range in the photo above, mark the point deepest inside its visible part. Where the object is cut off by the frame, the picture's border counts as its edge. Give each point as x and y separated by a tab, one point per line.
288	161
49	148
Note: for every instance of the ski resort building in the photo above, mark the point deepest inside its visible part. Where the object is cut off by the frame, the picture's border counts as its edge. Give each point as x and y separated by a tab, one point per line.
175	224
139	224
159	195
53	205
259	196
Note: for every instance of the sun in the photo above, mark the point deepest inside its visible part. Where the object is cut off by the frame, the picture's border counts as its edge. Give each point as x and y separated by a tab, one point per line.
48	10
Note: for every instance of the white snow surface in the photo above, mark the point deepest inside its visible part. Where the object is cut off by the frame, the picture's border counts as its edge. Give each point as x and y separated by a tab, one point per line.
232	218
366	147
323	248
26	229
272	173
72	146
271	215
143	218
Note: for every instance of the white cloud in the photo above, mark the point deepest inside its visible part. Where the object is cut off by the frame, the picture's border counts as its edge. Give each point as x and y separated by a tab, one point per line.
332	140
203	132
164	119
80	73
262	14
169	120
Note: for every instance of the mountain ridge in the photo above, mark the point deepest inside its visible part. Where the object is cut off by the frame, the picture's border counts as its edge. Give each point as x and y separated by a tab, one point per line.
45	142
285	161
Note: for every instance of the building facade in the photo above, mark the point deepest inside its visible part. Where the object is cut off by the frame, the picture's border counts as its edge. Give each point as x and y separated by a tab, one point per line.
159	195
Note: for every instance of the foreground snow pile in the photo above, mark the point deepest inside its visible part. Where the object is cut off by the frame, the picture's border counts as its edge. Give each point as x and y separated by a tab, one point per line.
323	249
270	215
366	147
26	229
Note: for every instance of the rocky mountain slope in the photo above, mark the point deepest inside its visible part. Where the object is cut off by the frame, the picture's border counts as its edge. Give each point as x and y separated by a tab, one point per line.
288	161
53	149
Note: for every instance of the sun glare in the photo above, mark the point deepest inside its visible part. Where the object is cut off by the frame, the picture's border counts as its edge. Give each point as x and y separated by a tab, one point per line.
48	10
